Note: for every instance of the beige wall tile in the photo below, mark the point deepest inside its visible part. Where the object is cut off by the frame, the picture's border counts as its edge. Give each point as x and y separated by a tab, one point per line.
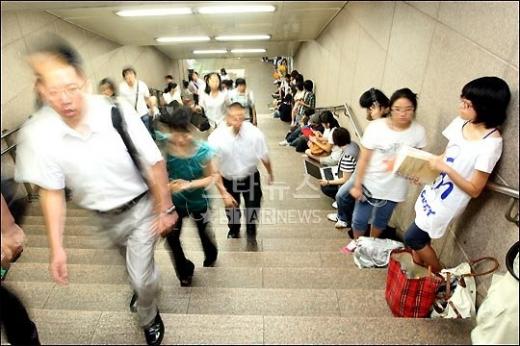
10	28
492	25
369	68
16	74
375	18
431	8
410	42
34	21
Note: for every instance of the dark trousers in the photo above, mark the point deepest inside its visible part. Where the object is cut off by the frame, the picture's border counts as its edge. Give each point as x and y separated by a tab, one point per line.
18	327
184	267
251	190
330	191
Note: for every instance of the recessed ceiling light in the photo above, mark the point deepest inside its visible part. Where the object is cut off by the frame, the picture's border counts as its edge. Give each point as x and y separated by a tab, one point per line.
155	12
253	50
183	39
242	37
235	9
210	51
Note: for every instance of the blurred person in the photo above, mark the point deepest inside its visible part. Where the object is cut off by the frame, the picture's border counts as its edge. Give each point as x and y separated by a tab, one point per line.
214	101
240	145
196	86
17	325
224	75
107	87
377	106
244	96
73	140
172	93
137	94
192	172
227	85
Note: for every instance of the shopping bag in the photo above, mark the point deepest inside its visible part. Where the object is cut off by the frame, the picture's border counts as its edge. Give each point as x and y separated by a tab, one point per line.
411	289
461	282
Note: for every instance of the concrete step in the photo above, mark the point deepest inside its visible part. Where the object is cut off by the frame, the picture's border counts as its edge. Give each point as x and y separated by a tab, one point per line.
94	327
208	301
193	243
322	231
225	277
225	258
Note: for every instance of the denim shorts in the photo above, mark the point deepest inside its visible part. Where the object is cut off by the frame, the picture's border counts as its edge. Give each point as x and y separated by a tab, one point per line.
416	238
380	215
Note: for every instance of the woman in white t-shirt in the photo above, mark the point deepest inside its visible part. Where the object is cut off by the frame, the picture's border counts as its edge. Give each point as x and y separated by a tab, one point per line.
376	189
214	101
474	147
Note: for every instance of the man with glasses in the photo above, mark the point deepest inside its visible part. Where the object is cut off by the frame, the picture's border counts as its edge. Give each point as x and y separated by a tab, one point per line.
72	140
240	145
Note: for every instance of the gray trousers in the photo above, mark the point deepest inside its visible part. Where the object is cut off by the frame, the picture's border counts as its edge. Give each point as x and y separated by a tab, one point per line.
131	232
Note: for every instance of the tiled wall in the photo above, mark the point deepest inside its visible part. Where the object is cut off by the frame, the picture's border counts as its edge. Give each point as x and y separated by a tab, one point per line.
102	58
434	48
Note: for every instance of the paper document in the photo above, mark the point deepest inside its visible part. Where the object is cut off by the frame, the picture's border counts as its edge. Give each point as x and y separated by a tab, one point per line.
411	162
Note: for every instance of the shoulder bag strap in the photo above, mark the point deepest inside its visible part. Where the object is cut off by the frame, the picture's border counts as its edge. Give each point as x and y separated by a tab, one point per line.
137	97
120	125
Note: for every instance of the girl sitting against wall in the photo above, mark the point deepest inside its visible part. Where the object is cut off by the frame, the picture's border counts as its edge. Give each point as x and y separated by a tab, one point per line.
474	147
376	189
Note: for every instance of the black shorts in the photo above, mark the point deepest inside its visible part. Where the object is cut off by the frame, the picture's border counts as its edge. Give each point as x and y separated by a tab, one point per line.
416	238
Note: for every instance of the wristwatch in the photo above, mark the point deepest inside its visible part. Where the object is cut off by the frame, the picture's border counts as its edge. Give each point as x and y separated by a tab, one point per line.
170	210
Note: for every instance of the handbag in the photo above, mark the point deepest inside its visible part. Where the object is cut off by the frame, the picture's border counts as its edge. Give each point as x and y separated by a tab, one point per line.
461	303
411	289
200	120
316	150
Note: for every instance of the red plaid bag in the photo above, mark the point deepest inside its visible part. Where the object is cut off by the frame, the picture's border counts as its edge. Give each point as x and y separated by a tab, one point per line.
409	297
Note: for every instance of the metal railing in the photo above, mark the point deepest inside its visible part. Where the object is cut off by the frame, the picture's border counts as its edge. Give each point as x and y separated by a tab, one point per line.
11	148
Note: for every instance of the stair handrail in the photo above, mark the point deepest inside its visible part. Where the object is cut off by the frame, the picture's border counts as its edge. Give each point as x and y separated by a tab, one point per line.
11	149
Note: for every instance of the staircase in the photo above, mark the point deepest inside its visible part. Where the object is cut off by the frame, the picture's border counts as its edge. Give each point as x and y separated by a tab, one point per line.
296	289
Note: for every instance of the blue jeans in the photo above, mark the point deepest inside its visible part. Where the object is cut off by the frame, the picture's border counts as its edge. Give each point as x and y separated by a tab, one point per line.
416	238
380	215
345	201
147	120
291	137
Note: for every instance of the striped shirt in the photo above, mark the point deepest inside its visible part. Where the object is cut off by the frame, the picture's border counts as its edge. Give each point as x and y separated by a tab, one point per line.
347	162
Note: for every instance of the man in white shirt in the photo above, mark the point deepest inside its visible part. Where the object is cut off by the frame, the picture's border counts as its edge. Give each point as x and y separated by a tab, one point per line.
72	141
240	145
137	94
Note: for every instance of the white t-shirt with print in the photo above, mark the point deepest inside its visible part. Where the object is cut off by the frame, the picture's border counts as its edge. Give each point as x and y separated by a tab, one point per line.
385	143
443	200
215	107
129	93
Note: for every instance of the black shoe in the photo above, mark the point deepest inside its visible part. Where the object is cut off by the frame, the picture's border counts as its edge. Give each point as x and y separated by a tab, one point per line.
233	235
154	333
185	280
210	261
133	303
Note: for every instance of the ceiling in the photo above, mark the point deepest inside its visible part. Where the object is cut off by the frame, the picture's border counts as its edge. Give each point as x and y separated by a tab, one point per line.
292	23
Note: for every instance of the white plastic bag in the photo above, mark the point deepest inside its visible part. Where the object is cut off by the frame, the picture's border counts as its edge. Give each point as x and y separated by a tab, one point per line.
461	304
374	252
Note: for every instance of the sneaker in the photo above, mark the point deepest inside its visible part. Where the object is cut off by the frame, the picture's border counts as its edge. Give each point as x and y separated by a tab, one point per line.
335	205
284	142
332	217
351	246
341	224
